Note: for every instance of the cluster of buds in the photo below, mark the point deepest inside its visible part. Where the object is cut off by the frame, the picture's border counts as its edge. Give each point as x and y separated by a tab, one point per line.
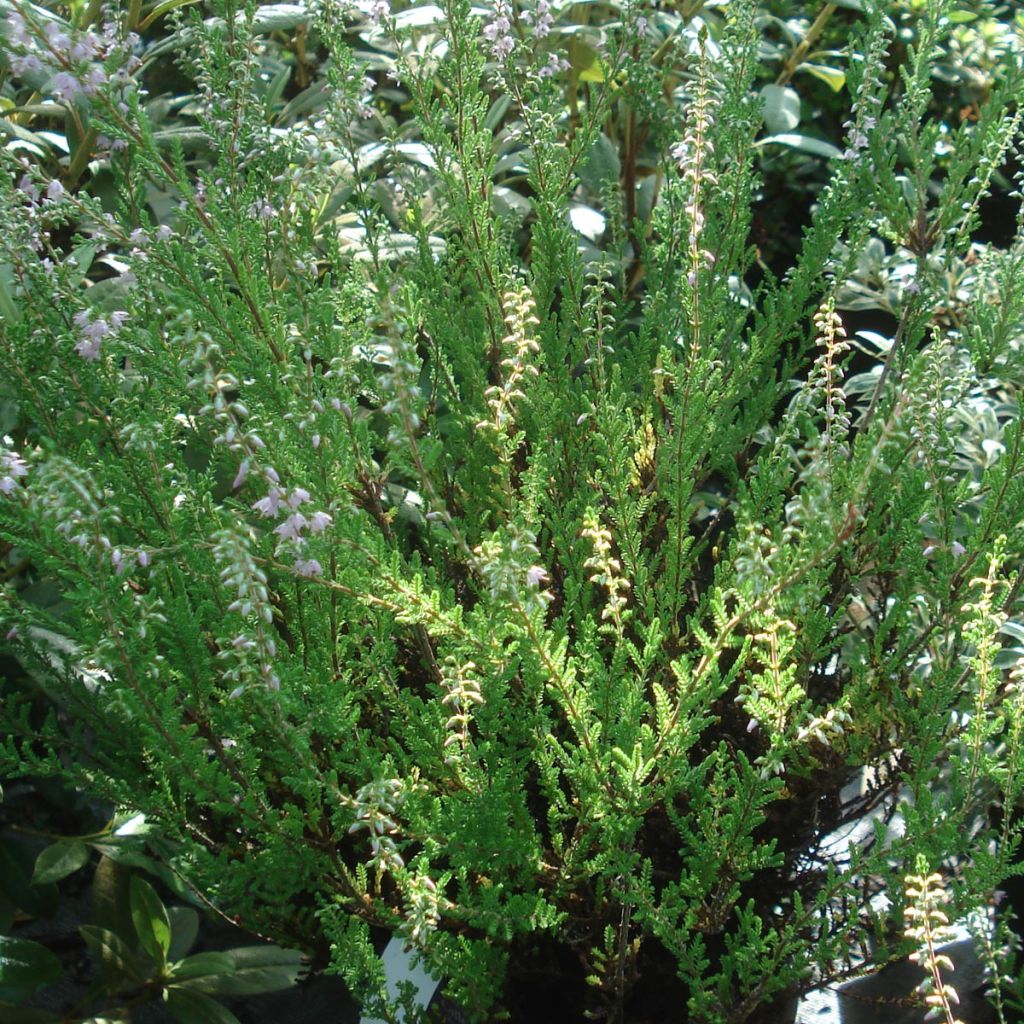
399	383
694	156
936	421
206	364
555	66
462	692
519	319
231	414
826	376
70	497
378	11
243	575
927	924
867	102
423	907
278	502
376	805
93	329
540	19
74	63
825	728
509	569
12	467
608	570
253	652
498	32
756	552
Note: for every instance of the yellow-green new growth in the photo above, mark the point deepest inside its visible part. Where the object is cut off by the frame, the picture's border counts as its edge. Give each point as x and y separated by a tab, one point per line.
462	693
608	569
518	305
928	925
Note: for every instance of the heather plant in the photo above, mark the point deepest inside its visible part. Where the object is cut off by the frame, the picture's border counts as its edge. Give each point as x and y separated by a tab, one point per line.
461	532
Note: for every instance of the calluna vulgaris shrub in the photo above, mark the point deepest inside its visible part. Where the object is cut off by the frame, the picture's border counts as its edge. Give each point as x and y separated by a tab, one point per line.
424	566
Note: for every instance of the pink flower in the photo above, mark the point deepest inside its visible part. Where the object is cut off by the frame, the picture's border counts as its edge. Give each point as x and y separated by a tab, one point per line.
269	505
535	576
309	568
298	497
95	79
292	527
88	349
18	29
319	522
499	34
65	86
86	48
554	66
26	64
57	38
94	330
13	466
29	187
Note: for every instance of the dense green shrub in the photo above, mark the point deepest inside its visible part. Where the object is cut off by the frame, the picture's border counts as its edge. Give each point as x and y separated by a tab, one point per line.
458	529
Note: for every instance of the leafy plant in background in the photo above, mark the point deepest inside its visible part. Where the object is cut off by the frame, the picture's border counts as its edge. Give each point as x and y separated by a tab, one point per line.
139	946
460	530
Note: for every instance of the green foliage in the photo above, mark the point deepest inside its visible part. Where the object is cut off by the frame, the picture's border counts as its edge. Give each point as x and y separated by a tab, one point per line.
430	506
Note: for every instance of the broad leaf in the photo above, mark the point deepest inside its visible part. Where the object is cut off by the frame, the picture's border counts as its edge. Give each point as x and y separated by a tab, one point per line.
805	143
149	916
781	108
115	956
161	9
189	1007
60	860
832	77
24	967
16	865
420	17
202	965
184	929
257	969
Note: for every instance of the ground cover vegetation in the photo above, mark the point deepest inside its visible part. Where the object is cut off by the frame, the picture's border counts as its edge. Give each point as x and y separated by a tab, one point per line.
521	477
